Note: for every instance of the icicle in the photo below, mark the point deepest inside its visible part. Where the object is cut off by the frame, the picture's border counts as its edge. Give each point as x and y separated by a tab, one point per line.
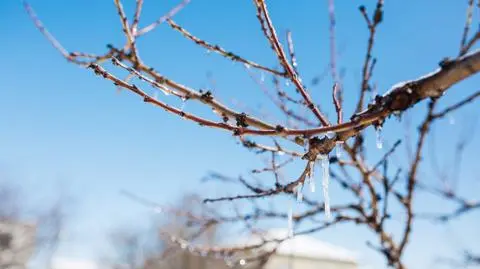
247	65
208	52
290	220
281	153
311	178
299	192
378	132
155	95
242	262
184	102
287	83
338	149
262	77
325	182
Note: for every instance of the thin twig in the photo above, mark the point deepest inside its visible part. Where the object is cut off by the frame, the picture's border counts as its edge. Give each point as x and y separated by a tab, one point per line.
162	19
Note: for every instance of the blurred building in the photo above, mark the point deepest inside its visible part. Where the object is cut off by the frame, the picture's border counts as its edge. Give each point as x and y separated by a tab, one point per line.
17	243
299	252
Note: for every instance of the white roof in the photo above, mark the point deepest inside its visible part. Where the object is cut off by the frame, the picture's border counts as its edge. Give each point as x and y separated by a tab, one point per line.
303	246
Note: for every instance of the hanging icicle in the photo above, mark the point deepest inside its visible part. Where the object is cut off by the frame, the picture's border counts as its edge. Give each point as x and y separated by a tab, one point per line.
338	149
311	177
290	220
379	140
325	183
299	192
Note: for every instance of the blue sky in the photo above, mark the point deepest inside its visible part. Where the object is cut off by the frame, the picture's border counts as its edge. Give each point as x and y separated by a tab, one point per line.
64	130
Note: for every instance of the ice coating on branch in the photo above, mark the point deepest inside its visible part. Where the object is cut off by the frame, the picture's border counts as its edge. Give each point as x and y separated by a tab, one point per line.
325	182
330	135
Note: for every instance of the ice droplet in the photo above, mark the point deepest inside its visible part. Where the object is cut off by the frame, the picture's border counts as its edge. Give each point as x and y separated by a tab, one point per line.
299	192
242	262
208	52
281	153
290	220
451	120
247	65
155	95
287	83
157	210
378	132
262	77
325	183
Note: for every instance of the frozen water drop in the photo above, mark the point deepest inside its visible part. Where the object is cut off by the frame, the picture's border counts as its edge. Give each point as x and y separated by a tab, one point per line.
183	245
451	120
281	153
247	65
287	83
155	95
208	52
262	77
157	210
242	262
379	140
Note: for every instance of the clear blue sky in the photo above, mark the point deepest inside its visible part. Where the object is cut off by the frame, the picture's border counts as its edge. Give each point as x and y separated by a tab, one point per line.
62	128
